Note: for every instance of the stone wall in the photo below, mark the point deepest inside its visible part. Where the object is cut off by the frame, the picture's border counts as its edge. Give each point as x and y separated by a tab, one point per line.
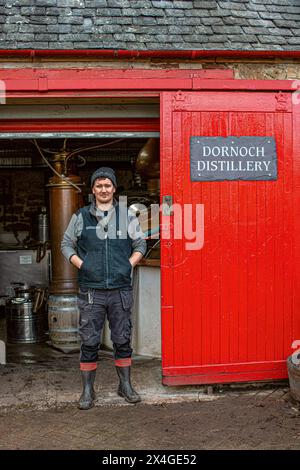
264	69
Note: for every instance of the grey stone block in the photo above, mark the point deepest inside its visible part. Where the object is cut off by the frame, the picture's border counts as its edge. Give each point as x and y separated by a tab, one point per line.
70	20
280	9
218	38
45	3
111	12
59	28
144	21
95	3
294	40
160	47
74	37
244	14
143	4
32	28
232	5
145	37
43	19
270	39
266	2
235	21
176	13
258	7
107	20
291	17
16	19
271	16
150	12
167	38
61	45
88	24
261	23
120	4
45	37
205	4
11	28
242	38
131	12
53	11
162	4
112	28
285	23
71	3
200	13
203	30
33	11
280	32
24	37
253	30
22	3
124	37
197	39
213	21
181	4
181	29
84	12
188	21
103	38
227	29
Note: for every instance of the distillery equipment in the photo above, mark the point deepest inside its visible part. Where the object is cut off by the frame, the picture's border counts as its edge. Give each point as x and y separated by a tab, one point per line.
25	315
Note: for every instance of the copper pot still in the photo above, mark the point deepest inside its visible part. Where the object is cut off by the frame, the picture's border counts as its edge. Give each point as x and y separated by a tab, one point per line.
64	201
147	165
65	197
147	162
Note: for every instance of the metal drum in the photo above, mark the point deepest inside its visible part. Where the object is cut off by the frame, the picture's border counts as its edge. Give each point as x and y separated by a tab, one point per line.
63	319
22	323
294	378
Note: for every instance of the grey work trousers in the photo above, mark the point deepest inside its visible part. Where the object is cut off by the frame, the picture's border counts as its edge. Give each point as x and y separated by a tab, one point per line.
94	305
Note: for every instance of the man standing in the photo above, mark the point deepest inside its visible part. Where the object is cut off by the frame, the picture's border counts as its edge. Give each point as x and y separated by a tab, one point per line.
104	252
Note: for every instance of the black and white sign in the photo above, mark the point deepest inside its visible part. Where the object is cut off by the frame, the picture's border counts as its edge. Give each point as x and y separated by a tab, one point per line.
233	158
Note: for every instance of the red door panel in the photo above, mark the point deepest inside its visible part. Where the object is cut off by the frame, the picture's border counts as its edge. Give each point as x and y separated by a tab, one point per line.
229	310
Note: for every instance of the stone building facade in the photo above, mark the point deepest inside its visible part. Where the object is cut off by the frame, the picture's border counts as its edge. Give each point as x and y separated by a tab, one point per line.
215	27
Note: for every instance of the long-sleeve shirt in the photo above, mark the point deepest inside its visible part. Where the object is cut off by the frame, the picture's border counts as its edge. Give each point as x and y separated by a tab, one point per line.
104	229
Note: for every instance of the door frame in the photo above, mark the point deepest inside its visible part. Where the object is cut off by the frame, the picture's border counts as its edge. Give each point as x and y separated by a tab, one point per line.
25	85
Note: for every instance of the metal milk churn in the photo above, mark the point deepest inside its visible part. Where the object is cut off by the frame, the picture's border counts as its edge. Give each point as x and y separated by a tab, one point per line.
25	322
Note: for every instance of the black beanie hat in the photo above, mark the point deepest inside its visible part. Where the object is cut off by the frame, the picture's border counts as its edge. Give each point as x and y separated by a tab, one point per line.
104	172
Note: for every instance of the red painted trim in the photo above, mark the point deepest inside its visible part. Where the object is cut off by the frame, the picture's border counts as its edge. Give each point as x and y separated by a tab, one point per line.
76	125
225	378
123	362
31	54
88	366
63	83
223	369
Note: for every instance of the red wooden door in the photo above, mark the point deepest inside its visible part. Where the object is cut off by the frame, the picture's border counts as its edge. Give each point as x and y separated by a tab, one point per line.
230	311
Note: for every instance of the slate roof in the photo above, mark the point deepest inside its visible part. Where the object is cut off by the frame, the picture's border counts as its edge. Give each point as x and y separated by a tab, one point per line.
147	24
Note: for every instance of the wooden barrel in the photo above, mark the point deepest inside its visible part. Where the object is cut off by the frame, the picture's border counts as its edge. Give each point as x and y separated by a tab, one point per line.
294	378
63	318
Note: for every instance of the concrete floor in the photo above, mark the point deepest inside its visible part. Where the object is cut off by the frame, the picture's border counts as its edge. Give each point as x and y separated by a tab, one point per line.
40	386
37	376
